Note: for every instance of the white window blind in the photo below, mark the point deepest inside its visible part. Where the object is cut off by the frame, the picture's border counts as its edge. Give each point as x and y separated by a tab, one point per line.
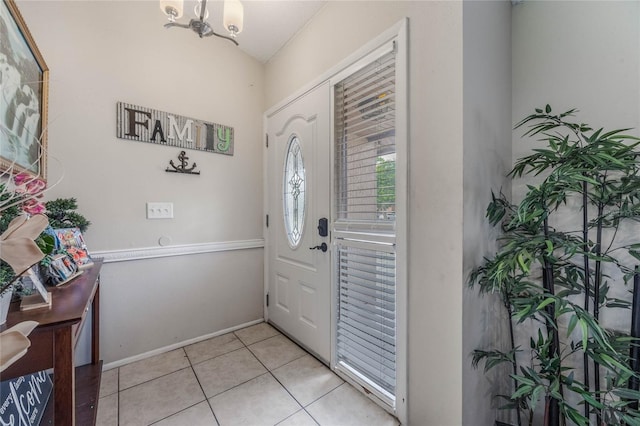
365	143
367	314
364	223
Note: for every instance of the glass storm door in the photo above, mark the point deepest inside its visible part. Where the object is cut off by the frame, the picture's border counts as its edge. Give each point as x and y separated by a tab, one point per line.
364	225
298	197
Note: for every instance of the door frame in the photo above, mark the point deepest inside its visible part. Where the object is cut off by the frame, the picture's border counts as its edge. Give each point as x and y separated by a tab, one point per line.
361	57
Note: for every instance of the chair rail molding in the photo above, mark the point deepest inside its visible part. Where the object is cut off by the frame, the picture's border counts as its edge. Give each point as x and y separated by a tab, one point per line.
111	256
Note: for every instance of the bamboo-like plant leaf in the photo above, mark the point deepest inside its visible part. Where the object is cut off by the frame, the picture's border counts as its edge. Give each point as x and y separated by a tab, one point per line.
523	390
525	381
577	418
539	269
572	325
491	358
546	302
626	393
535	395
585	332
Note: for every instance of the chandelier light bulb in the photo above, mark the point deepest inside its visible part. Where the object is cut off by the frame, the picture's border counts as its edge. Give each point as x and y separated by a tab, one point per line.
172	8
233	16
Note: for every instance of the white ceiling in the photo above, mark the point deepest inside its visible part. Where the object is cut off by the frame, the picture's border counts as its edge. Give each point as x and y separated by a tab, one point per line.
268	24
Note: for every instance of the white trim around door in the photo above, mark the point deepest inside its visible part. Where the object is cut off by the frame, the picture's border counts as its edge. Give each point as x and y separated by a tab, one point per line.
396	36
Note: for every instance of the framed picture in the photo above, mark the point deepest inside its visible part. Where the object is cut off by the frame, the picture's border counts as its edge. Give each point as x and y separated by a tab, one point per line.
72	242
23	96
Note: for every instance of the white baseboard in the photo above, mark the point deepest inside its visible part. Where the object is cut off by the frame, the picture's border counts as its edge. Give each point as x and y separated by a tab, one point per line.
120	363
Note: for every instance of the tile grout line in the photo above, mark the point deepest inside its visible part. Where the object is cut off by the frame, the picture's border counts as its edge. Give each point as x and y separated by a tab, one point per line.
302	407
217	356
156	377
192	365
178	412
200	384
239	384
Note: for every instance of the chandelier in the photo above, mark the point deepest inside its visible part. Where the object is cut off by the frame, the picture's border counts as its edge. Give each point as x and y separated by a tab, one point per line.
232	18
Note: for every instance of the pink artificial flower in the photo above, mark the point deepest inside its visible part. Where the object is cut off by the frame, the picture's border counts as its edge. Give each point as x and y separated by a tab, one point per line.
36	186
32	207
21	178
26	183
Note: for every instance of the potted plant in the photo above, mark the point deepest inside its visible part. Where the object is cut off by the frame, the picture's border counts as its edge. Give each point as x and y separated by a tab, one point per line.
560	258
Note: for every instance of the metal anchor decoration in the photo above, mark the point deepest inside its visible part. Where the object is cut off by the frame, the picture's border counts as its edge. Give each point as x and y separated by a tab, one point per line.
182	167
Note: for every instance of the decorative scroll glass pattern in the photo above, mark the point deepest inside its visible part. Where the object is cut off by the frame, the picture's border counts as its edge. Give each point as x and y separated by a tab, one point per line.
294	189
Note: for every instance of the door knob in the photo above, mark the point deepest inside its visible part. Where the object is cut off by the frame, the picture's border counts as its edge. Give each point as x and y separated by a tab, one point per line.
322	247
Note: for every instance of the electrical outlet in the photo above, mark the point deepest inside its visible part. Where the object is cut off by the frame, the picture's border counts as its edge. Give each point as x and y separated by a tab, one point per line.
159	210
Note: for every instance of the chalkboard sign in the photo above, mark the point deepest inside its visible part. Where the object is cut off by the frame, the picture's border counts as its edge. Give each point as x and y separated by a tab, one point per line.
23	400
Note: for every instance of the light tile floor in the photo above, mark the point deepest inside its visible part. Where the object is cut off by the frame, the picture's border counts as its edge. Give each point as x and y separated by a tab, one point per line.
254	376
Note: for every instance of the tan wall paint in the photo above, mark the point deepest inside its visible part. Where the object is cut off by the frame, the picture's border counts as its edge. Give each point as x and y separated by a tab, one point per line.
584	55
101	52
487	160
435	175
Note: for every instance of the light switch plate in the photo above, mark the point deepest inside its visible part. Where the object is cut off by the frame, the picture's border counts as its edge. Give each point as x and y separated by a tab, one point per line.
159	210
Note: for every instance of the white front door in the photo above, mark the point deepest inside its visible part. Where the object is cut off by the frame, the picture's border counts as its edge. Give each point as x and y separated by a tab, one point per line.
298	194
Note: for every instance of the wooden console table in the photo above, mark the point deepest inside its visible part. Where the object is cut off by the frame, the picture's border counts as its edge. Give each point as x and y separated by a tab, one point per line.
53	342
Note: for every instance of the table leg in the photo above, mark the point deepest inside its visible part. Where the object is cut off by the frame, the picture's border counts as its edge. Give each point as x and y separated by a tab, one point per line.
64	377
95	326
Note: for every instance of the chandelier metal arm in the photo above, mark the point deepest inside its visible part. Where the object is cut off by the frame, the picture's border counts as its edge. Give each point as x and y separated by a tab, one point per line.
175	24
203	10
213	33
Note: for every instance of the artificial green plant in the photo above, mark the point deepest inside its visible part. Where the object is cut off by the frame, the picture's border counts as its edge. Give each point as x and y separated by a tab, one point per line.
559	256
61	214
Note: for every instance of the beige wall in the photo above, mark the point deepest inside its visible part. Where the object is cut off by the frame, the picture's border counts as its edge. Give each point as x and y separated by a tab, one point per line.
487	160
601	78
435	174
102	52
338	29
584	55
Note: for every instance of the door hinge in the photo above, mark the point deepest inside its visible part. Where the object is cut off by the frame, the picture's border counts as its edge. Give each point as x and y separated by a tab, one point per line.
267	299
266	137
267	221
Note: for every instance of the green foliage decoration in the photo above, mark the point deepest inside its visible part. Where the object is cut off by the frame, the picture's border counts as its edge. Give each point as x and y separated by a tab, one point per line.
61	213
554	274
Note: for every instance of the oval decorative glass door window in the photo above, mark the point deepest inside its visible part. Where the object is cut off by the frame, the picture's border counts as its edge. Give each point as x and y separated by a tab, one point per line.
294	192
